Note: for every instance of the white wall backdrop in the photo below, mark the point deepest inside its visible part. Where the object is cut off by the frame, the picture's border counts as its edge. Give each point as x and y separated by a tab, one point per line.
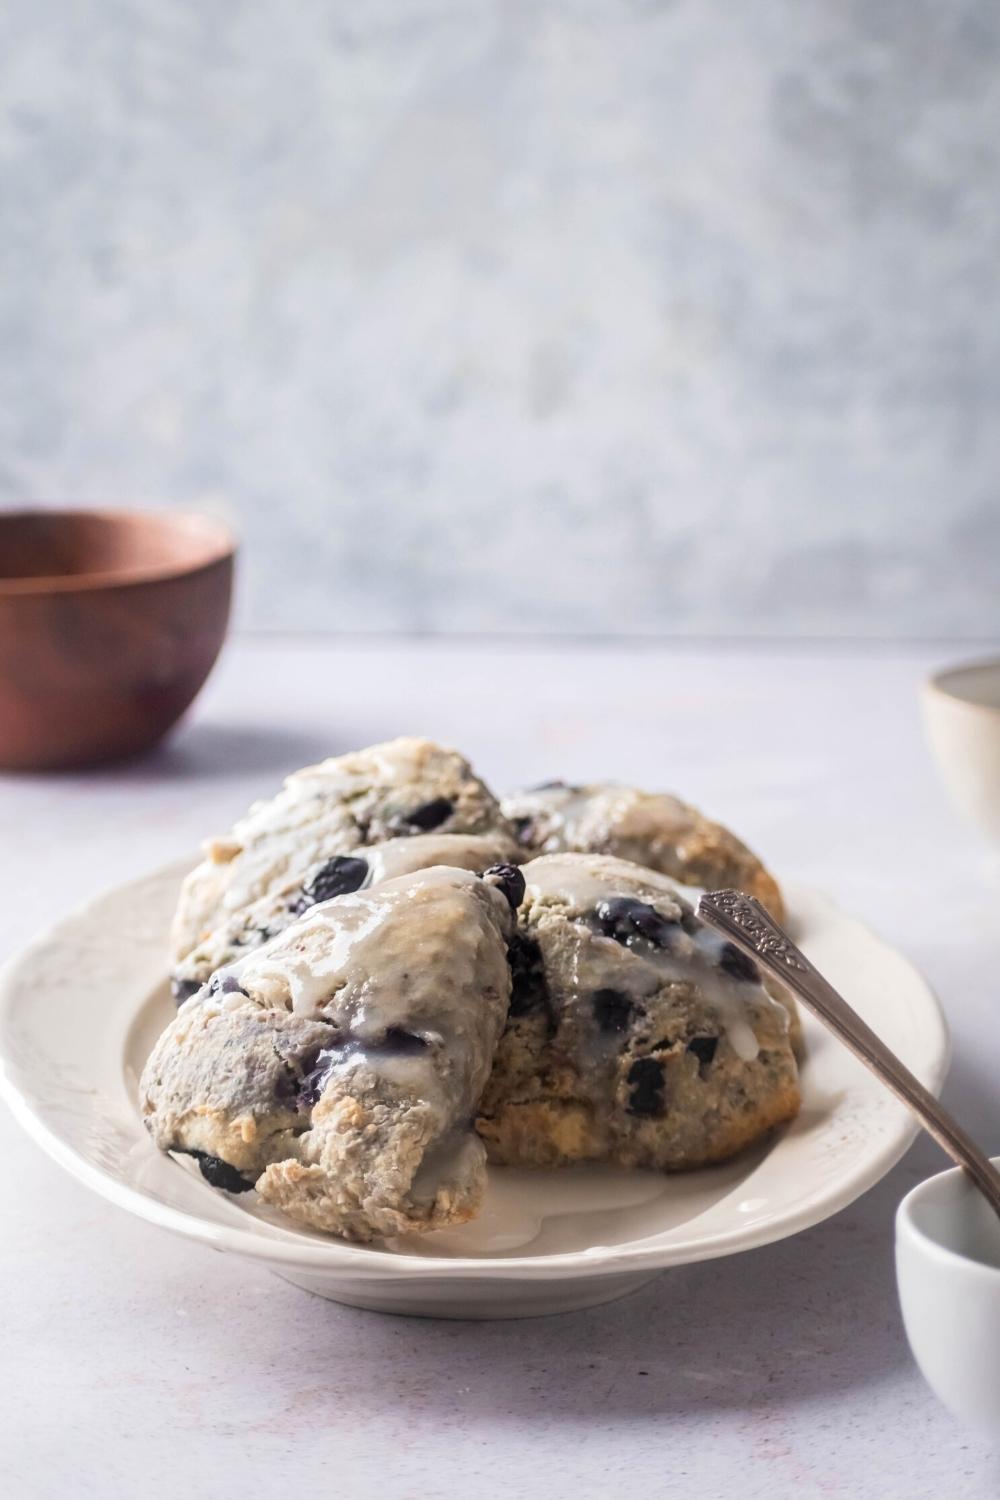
556	315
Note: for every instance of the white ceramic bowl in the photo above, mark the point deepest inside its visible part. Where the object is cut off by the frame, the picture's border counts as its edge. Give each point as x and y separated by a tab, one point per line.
962	714
948	1269
81	1008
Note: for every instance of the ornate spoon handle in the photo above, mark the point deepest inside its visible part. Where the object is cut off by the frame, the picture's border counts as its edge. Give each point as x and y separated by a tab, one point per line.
745	922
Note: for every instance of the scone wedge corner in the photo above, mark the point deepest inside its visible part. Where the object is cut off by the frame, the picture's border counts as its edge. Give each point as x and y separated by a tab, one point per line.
338	1067
301	845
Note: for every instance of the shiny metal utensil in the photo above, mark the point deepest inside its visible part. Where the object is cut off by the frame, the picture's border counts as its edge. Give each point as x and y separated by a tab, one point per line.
744	922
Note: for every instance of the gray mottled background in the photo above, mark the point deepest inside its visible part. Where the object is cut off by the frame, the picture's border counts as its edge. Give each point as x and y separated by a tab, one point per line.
577	316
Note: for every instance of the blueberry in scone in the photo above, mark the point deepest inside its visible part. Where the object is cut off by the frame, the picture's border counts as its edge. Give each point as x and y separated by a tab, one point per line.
291	852
338	1067
334	877
636	1035
648	828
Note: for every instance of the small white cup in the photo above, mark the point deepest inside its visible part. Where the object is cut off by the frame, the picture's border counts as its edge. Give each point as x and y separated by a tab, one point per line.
962	714
948	1272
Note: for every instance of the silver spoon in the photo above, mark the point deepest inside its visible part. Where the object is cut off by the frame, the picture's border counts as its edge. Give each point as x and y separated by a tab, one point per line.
745	922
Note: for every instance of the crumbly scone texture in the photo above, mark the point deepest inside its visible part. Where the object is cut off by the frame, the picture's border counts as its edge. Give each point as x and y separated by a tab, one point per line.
636	1034
338	1067
299	888
652	829
251	879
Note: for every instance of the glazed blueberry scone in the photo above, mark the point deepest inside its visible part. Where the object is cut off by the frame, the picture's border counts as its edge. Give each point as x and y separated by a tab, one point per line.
299	889
236	898
649	828
338	1067
636	1034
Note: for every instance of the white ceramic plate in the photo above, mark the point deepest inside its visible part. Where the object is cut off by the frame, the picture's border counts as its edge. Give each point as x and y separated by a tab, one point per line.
80	1009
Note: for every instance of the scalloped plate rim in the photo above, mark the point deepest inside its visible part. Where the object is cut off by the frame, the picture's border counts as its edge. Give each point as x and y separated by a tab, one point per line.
374	1265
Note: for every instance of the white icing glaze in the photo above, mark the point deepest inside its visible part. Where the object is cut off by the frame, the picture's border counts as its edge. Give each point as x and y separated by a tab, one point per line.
328	808
356	961
411	1073
724	993
397	762
465	851
582	882
578	817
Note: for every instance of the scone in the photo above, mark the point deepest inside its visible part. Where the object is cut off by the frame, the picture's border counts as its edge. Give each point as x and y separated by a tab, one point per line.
338	1067
249	876
636	1034
300	887
649	828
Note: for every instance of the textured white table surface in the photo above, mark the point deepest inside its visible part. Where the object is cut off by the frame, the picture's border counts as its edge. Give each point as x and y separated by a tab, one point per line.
133	1363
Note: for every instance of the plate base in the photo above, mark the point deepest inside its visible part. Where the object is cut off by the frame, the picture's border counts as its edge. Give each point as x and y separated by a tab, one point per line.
472	1299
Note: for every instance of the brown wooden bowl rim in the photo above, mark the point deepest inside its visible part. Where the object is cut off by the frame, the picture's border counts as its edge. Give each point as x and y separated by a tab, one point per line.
218	548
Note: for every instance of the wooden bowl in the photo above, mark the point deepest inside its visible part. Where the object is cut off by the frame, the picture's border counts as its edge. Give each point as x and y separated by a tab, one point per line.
110	621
